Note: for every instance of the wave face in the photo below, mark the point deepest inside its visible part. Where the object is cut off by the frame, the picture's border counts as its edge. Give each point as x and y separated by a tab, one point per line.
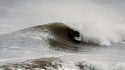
48	47
36	42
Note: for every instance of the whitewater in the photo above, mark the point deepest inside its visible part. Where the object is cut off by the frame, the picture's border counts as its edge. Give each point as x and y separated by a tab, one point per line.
25	36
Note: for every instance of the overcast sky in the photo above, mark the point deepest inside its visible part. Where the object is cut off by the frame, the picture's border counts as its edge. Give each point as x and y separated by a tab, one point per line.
19	14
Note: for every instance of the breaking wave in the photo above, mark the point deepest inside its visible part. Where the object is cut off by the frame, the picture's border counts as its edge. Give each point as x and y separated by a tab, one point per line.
97	22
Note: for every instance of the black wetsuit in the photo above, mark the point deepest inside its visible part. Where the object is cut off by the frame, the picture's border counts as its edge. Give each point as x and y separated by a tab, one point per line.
72	34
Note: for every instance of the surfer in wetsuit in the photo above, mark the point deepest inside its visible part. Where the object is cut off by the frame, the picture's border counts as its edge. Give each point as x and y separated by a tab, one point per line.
61	30
74	35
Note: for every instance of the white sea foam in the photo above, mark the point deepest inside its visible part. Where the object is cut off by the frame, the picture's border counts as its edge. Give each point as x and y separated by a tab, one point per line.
102	26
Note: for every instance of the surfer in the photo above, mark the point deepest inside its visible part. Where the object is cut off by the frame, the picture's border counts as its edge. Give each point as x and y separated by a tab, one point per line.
74	35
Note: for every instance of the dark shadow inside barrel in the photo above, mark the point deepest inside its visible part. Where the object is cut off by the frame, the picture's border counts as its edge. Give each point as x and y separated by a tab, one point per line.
64	37
60	30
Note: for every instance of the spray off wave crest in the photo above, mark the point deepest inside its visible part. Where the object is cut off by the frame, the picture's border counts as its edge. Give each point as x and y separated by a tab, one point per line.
103	34
101	25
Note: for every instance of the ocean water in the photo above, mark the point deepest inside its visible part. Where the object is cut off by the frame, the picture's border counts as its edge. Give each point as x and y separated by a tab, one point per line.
100	22
39	42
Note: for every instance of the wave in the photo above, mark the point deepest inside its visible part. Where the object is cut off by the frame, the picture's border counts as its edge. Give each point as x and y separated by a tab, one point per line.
96	33
58	31
56	35
101	34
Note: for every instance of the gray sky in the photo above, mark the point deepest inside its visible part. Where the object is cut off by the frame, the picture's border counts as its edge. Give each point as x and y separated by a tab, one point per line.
19	14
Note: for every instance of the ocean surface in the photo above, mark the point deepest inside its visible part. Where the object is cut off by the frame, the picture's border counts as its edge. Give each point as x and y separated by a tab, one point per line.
25	36
40	42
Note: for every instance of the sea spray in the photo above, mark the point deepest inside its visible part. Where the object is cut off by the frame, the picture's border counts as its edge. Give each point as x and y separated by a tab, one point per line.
100	25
